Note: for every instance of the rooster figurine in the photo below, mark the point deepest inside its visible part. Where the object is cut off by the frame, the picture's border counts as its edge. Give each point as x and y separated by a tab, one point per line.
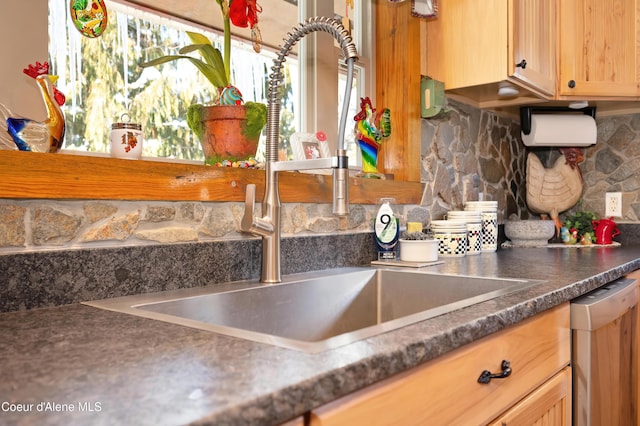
371	127
557	189
31	135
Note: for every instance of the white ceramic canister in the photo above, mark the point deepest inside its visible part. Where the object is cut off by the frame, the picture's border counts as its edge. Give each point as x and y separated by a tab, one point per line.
451	236
126	139
489	211
473	219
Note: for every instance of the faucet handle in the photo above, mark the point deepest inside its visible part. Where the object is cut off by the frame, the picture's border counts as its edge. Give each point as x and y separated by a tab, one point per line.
250	223
249	207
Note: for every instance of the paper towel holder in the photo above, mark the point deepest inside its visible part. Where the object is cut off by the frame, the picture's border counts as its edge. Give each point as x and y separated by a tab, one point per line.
527	112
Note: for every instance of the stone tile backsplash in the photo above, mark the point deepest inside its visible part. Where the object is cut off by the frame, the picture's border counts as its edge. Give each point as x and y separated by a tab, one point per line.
468	154
28	225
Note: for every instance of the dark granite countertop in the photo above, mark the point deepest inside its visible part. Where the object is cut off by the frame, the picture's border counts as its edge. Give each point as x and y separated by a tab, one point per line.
76	364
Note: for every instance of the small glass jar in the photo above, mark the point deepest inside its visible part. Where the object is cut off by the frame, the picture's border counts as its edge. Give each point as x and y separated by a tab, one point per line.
126	139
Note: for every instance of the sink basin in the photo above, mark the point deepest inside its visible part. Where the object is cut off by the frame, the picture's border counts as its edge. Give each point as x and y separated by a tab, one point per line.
316	311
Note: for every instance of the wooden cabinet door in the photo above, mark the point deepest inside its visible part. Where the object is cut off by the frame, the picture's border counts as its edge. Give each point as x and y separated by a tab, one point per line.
532	51
550	404
475	44
445	391
636	275
598	51
467	43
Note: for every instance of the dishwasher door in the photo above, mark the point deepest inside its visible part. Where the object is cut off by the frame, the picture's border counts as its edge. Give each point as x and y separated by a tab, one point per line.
605	355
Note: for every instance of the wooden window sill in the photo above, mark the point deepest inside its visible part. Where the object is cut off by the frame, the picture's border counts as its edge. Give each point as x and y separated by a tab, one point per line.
30	175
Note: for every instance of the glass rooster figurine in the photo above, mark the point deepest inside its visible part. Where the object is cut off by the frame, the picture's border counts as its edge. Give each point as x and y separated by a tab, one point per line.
31	135
370	129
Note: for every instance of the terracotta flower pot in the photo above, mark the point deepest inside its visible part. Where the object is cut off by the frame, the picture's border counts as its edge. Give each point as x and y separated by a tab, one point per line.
224	135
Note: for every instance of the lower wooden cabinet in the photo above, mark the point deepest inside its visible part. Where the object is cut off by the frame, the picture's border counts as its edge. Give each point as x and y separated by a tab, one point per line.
446	391
550	404
636	275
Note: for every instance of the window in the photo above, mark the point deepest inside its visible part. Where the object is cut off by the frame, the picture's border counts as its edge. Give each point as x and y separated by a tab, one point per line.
102	80
318	73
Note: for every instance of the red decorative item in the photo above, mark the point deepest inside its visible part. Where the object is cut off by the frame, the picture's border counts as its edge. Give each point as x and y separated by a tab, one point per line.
238	13
605	230
34	70
362	115
244	13
59	96
37	69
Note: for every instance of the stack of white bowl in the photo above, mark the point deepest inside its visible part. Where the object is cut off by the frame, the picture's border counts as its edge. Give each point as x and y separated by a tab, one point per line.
473	219
489	211
451	236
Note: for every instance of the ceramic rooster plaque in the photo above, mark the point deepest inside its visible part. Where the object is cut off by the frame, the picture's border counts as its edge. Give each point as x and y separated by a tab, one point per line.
556	189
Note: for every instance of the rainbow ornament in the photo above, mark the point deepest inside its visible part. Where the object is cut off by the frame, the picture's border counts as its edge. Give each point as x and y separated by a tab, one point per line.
370	129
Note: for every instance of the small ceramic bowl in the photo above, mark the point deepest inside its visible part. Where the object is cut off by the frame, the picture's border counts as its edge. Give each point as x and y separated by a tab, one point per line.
418	250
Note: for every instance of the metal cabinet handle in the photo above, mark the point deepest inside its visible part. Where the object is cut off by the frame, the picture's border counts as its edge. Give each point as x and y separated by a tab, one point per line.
571	84
522	64
486	375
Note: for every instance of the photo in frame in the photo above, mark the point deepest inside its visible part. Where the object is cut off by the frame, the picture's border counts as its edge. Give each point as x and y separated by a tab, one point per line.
308	146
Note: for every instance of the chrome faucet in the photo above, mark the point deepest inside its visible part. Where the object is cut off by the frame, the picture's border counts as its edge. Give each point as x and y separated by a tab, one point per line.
268	226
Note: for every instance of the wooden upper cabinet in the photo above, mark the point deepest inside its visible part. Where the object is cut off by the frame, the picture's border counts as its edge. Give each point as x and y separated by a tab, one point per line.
573	50
532	31
475	46
467	43
598	48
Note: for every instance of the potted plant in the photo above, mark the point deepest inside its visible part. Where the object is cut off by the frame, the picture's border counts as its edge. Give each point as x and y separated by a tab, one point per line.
578	228
417	246
229	128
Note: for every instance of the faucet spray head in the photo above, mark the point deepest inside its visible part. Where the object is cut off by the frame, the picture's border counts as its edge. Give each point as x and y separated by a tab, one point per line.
341	184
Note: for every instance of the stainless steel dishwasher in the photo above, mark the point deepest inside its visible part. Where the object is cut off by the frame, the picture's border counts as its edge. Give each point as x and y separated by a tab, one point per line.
604	355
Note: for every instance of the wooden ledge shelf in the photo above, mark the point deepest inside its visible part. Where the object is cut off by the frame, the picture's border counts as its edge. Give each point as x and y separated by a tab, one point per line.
30	175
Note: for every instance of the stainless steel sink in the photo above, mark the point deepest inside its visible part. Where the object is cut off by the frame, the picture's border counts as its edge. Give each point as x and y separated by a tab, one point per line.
318	311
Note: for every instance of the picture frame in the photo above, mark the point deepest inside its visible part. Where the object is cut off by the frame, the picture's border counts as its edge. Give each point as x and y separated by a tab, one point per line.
424	8
307	146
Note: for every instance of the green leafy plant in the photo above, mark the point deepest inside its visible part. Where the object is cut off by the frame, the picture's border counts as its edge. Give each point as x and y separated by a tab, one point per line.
581	222
212	65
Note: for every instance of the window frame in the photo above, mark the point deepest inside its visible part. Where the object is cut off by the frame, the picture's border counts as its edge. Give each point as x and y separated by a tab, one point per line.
79	177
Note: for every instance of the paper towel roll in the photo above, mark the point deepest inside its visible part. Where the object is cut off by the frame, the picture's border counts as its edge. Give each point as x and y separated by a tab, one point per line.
561	130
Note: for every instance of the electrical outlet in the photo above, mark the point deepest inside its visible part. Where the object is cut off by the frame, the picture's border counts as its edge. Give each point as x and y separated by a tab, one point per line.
613	204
